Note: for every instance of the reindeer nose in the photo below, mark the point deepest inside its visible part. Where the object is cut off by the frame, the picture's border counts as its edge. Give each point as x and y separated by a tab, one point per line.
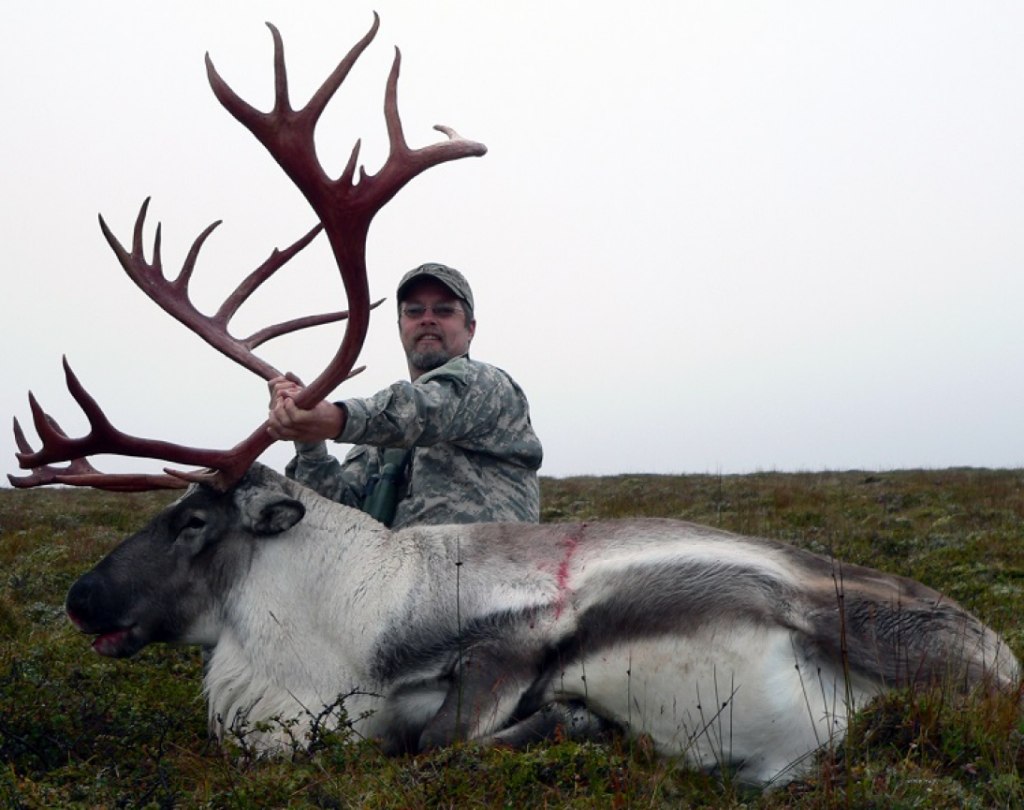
87	601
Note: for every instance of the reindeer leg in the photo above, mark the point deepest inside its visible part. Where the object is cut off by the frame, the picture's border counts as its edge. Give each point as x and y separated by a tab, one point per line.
485	690
571	720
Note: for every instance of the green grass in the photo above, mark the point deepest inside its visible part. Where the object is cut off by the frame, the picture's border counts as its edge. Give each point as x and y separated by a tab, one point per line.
78	730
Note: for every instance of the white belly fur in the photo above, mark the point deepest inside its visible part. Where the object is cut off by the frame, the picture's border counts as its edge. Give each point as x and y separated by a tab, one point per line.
739	698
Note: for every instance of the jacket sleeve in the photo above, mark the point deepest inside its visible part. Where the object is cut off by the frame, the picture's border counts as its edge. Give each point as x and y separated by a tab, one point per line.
315	468
471	405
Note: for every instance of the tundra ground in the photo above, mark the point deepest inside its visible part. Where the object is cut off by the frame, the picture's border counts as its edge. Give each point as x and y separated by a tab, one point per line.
78	730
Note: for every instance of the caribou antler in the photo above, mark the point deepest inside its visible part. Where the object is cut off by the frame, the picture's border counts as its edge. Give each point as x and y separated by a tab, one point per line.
345	209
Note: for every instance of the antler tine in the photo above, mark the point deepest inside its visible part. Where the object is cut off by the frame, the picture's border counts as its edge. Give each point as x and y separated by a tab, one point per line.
270	332
44	474
252	282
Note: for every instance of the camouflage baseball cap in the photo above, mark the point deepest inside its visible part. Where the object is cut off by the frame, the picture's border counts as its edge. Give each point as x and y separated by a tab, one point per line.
449	276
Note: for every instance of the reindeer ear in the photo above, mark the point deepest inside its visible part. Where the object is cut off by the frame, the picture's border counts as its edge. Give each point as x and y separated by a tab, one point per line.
270	513
279	516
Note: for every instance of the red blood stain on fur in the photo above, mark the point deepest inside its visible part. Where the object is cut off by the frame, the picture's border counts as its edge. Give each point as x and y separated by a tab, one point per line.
571	542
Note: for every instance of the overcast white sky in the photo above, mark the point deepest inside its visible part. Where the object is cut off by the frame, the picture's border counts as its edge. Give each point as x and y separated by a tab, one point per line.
707	237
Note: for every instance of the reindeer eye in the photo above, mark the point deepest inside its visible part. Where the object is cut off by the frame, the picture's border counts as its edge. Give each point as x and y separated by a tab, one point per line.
194	531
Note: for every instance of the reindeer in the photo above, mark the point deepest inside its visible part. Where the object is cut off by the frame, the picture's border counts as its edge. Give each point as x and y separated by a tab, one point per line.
731	652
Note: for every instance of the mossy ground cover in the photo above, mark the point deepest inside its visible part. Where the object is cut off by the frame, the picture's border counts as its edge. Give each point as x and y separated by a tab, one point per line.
78	730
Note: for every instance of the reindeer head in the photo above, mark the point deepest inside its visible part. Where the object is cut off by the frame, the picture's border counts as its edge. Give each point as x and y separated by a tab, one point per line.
163	583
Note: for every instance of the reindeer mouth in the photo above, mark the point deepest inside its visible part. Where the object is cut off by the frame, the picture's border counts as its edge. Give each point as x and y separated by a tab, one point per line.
121	642
116	644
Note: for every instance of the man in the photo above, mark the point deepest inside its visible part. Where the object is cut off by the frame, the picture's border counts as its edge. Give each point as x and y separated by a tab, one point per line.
474	455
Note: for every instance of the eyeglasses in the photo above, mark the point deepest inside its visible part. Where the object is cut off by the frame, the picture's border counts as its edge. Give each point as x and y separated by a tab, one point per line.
441	311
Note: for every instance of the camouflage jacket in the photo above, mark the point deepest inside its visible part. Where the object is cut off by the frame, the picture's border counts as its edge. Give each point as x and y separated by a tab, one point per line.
475	456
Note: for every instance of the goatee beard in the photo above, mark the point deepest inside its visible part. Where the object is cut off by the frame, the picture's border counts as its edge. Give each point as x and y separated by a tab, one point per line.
428	361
